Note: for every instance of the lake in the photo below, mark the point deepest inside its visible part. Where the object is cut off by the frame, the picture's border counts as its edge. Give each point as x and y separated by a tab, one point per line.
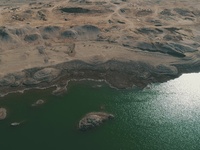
162	116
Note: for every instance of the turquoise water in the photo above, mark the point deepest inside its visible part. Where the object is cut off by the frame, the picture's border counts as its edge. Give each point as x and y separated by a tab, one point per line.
163	116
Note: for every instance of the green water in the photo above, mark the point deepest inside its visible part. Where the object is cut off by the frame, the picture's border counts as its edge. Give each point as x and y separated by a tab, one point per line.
162	117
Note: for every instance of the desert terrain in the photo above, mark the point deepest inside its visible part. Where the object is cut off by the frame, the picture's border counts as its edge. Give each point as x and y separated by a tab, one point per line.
128	43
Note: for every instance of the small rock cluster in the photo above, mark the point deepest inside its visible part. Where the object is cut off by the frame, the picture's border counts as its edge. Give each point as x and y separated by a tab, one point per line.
17	17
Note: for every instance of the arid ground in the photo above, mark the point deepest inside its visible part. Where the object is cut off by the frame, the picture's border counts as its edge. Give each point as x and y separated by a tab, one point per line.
128	43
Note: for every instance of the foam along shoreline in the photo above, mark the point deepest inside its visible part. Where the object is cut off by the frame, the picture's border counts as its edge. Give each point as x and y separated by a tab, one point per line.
60	89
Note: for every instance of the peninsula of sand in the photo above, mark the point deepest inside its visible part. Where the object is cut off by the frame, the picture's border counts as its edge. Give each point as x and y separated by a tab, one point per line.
128	43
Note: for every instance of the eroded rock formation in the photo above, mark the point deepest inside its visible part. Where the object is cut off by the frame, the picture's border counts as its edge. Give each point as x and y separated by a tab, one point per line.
93	119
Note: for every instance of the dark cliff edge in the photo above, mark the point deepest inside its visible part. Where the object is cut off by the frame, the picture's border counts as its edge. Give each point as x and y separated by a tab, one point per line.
118	74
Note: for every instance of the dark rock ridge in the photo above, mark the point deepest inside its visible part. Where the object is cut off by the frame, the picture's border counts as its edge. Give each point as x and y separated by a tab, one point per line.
150	30
41	34
93	33
119	74
51	29
93	119
31	37
75	10
173	49
183	12
87	32
4	34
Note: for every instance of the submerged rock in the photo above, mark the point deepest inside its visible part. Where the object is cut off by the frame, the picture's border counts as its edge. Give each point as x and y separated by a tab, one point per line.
93	119
3	113
15	124
38	102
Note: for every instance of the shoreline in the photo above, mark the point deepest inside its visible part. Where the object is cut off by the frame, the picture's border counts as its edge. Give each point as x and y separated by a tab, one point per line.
117	73
57	87
118	79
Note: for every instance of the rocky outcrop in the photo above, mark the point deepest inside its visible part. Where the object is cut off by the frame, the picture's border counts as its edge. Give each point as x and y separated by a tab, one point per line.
87	32
51	29
93	119
31	81
7	80
4	35
31	37
12	80
69	34
173	49
75	10
3	113
183	12
46	74
118	74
